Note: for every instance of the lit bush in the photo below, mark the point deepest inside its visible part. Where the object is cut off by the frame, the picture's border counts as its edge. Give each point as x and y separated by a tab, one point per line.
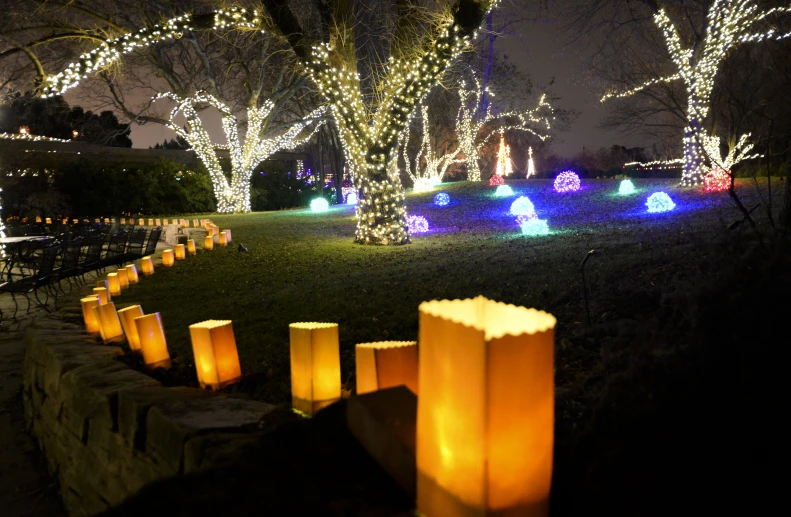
659	202
319	205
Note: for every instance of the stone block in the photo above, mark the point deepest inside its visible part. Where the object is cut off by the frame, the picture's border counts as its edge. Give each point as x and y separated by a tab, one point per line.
134	403
90	392
65	358
384	422
212	450
169	425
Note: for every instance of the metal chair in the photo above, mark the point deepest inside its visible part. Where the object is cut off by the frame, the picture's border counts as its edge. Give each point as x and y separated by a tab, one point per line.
43	278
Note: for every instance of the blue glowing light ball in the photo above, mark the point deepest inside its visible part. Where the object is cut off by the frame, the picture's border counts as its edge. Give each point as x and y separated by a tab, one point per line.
351	198
319	205
522	206
416	224
504	191
659	202
441	199
567	181
535	227
626	187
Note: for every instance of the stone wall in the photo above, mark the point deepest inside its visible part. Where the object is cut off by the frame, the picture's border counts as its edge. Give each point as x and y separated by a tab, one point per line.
107	430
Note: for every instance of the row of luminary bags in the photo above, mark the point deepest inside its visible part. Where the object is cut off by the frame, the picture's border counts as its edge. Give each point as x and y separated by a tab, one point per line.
184	223
483	373
144	333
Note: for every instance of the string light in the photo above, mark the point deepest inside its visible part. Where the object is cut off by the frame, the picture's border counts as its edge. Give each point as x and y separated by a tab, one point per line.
441	199
428	166
423	185
101	58
531	167
659	202
717	180
27	137
496	180
534	226
370	138
567	181
470	125
351	198
728	24
522	206
258	145
504	165
417	224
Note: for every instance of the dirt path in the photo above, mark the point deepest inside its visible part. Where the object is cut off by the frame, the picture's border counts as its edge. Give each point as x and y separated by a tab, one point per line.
26	489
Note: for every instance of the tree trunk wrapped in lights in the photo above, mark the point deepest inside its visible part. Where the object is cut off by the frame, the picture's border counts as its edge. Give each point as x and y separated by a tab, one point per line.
728	24
471	125
258	145
436	164
370	134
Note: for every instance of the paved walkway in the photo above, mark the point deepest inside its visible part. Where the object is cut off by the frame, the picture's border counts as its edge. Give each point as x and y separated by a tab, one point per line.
26	489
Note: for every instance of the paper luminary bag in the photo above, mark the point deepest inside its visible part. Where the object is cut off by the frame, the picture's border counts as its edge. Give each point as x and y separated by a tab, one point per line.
315	366
485	418
214	350
386	364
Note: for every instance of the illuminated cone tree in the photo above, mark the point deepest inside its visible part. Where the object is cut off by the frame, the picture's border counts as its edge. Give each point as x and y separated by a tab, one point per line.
531	167
728	24
474	130
504	165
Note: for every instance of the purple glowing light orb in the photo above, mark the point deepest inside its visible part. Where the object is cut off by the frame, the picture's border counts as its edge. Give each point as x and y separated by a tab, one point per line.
567	181
416	224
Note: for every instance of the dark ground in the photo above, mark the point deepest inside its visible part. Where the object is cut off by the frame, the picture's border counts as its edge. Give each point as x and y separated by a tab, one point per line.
677	416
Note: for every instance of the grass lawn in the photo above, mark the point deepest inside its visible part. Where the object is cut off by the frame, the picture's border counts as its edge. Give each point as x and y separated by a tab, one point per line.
303	266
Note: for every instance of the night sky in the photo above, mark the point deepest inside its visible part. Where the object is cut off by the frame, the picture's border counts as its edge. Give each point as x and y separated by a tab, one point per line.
542	50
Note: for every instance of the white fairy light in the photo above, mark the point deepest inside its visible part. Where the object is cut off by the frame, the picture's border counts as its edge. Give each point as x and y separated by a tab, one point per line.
531	167
370	141
101	58
470	125
258	145
27	137
728	24
435	166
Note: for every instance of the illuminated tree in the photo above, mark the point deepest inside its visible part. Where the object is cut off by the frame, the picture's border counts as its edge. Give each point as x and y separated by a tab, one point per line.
728	23
222	60
428	164
504	165
531	167
421	44
258	145
474	129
